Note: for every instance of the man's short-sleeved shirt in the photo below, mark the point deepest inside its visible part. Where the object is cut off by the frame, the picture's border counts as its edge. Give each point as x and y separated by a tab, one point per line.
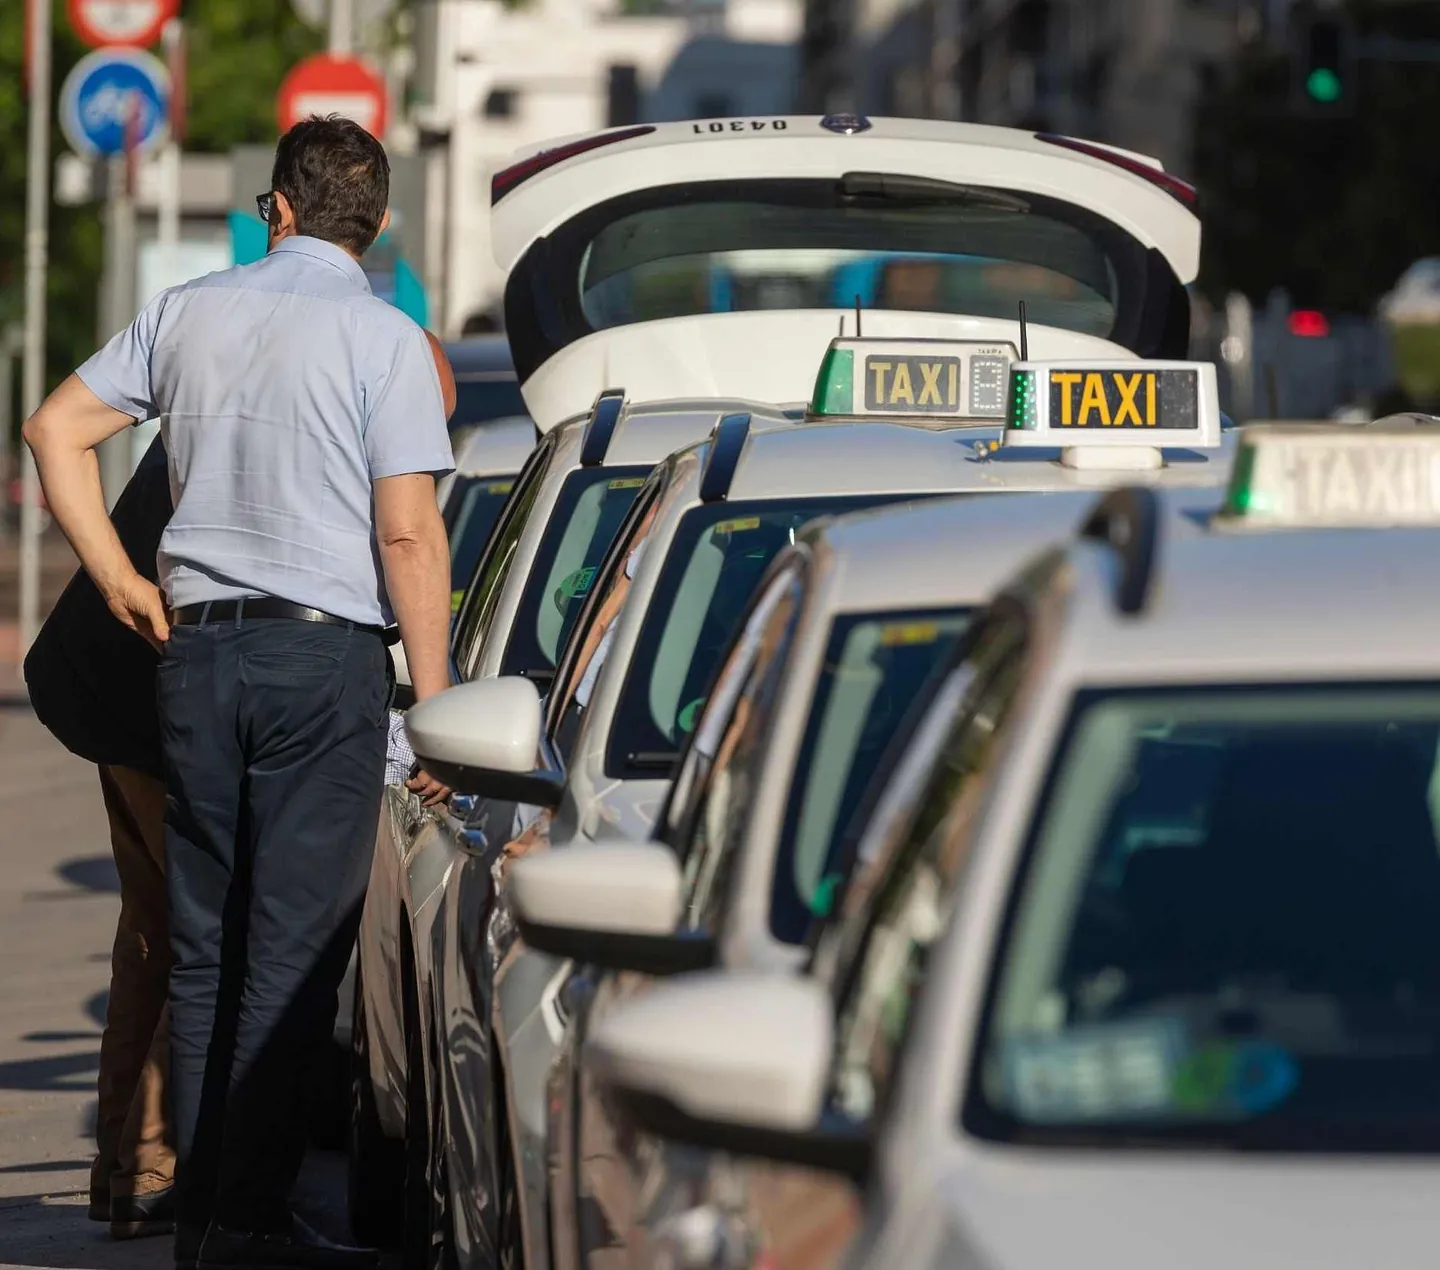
284	388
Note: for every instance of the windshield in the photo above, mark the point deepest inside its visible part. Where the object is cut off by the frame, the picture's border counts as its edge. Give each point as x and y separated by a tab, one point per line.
1228	926
926	246
714	564
877	666
591	506
470	514
484	396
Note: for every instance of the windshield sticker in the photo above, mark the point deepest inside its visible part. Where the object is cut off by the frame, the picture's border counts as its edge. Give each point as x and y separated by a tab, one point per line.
822	903
894	634
1101	1072
626	482
456	599
499	487
573	587
1235	1080
738	525
685	720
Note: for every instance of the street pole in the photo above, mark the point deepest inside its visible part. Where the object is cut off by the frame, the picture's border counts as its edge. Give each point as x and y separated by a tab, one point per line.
119	307
37	249
342	27
167	226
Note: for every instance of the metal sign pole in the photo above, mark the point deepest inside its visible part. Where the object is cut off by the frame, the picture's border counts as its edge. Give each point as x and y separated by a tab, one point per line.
37	248
342	28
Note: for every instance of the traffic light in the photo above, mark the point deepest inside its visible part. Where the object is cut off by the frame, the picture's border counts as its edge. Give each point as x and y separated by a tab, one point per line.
1324	62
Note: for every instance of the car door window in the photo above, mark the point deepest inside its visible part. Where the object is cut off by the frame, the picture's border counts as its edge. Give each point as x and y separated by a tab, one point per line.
477	609
896	906
739	749
595	628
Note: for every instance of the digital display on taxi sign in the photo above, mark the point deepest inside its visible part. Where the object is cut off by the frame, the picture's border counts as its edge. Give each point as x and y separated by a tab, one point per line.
1124	399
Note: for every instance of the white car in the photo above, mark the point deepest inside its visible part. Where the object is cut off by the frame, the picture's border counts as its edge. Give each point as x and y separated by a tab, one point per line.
613	242
753	832
573	490
1144	970
635	673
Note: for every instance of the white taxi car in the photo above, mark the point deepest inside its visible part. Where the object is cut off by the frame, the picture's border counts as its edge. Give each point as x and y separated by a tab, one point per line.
637	667
1145	971
752	838
572	492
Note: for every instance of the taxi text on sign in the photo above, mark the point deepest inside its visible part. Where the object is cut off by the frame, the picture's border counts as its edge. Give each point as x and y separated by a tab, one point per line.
1123	399
912	383
1349	480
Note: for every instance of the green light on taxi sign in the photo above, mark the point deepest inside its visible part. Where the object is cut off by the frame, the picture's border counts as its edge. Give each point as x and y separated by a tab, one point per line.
1239	496
835	386
1022	412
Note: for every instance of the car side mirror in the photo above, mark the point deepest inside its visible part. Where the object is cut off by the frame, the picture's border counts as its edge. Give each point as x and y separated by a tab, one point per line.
731	1061
613	904
483	738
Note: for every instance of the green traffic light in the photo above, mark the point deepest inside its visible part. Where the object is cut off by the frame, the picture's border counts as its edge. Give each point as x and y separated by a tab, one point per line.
1324	85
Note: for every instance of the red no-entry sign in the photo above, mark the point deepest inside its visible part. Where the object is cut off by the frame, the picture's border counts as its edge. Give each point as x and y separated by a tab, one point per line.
326	85
133	23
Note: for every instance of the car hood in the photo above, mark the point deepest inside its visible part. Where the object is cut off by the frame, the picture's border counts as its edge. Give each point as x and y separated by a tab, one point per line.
1028	1210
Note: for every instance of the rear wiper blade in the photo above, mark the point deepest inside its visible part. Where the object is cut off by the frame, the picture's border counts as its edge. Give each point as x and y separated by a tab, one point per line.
653	760
897	187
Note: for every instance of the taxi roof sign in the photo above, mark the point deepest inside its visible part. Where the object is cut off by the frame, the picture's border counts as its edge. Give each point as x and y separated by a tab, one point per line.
935	383
1113	413
1383	475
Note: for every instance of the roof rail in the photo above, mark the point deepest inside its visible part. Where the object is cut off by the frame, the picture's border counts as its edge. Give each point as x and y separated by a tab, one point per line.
604	415
726	442
1128	520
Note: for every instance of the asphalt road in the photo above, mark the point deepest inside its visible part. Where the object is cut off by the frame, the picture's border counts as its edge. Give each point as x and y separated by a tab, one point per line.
58	904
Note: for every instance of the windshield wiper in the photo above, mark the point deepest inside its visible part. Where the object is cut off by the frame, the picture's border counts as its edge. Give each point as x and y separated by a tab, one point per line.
898	188
653	760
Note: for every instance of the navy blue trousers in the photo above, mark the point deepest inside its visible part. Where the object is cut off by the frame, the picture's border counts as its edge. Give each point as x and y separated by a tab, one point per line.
274	742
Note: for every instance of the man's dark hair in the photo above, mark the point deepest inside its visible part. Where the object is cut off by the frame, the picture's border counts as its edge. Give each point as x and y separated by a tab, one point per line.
337	179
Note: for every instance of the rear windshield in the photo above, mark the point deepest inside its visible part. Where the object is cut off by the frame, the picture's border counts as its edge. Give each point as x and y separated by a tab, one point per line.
470	514
877	667
1228	927
931	246
719	554
591	505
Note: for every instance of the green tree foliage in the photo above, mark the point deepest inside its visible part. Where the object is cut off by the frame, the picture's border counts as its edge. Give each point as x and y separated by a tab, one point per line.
1332	206
239	53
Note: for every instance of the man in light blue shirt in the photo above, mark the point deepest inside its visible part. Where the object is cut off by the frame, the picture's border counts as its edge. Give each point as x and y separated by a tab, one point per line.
304	424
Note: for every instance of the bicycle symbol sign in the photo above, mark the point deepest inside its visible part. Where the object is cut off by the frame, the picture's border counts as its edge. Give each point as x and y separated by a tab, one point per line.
111	91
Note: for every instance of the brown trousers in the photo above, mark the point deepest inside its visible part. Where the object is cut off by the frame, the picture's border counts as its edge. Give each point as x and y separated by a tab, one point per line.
136	1152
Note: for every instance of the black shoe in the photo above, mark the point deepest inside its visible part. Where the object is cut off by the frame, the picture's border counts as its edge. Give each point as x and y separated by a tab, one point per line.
298	1248
136	1216
99	1209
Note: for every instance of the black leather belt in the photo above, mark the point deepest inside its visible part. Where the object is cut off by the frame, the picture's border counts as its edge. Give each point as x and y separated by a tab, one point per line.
265	607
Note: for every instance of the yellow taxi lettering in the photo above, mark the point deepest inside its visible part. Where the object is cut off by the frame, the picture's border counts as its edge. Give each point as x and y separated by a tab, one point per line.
1128	409
930	385
1150	400
1092	397
880	370
953	400
1067	379
899	393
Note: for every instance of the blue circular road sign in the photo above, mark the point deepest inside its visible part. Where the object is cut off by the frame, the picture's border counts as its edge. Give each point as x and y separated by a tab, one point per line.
110	90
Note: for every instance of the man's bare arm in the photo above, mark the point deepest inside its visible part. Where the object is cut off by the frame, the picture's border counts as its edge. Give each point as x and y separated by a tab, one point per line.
416	560
63	435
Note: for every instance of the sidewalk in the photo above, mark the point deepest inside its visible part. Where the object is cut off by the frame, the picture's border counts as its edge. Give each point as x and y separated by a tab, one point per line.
57	563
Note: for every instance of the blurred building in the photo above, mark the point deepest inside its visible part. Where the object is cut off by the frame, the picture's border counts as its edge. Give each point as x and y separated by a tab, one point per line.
490	78
1128	72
